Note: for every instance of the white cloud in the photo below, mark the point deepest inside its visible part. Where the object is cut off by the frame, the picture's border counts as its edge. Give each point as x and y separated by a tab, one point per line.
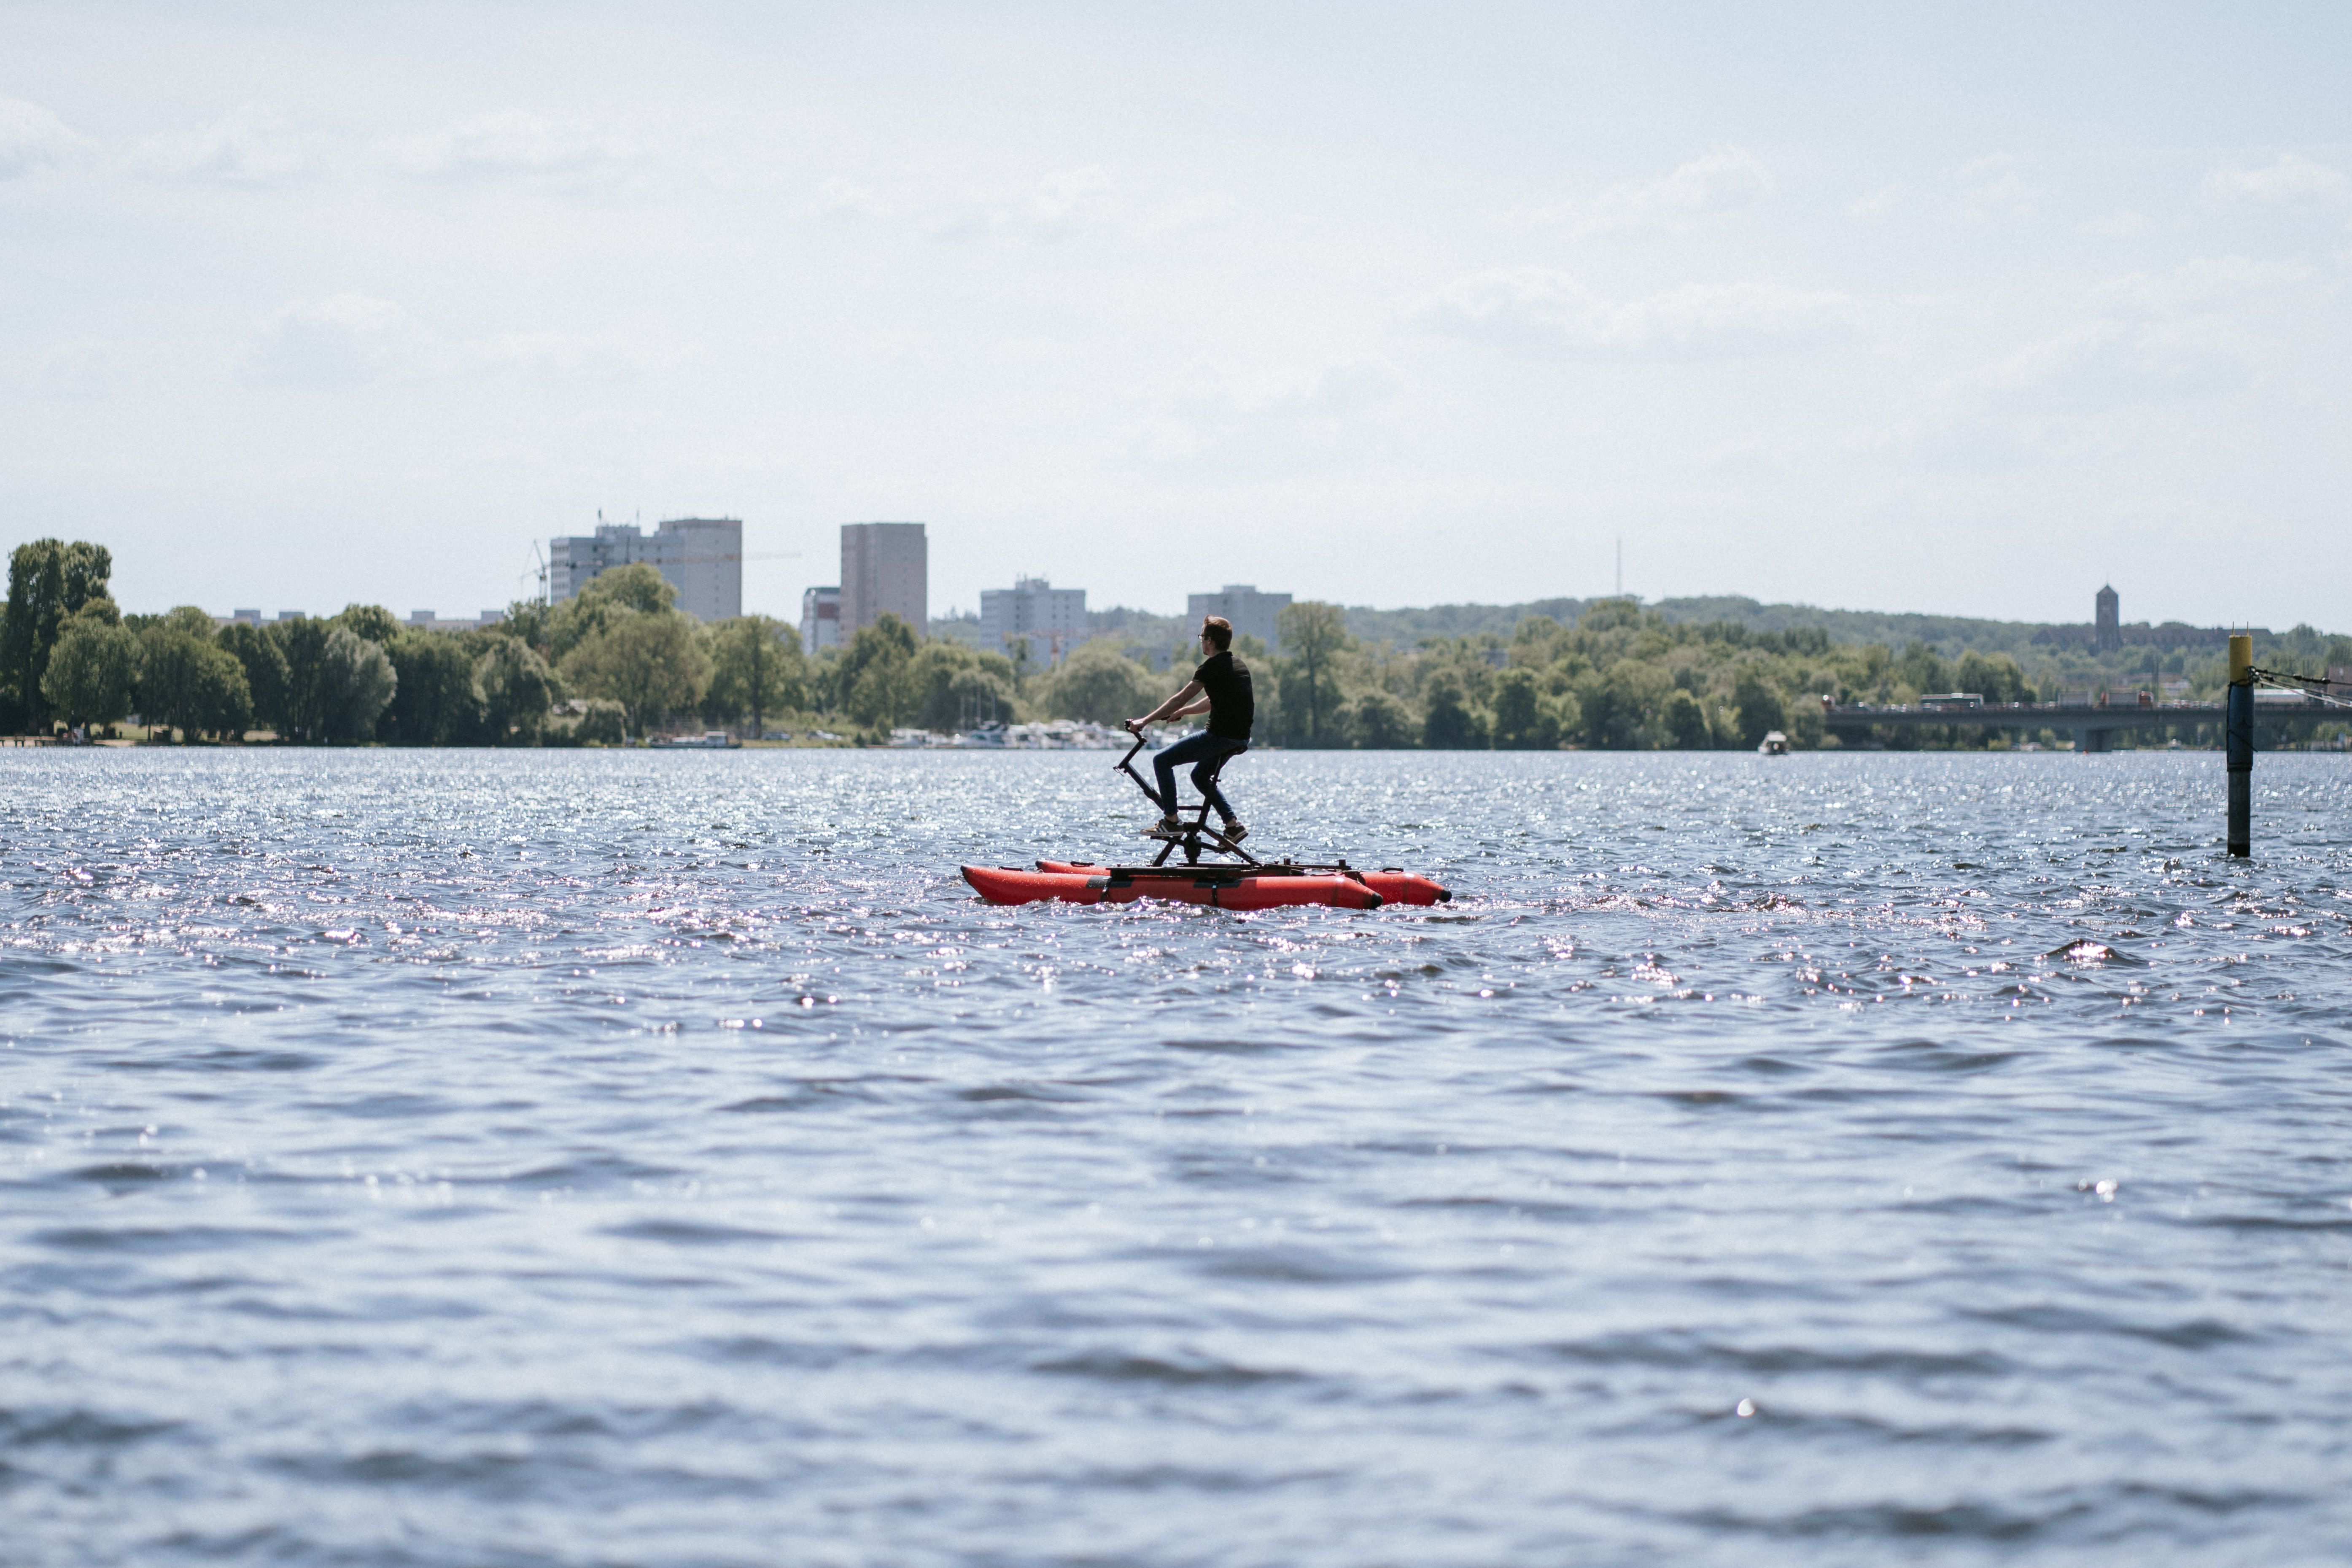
356	340
1875	205
1720	181
2122	225
1215	406
1056	207
251	146
1060	199
255	146
2204	331
1996	189
2204	285
2294	178
844	199
1190	215
509	142
33	139
568	357
78	371
347	339
1534	309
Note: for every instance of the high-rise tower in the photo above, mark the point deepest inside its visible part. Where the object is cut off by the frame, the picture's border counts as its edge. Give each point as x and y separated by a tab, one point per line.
885	570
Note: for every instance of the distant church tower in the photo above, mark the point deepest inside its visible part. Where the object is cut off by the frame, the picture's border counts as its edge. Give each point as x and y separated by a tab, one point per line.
2107	634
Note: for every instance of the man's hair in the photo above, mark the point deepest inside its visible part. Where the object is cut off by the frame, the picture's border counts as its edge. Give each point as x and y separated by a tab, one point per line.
1218	630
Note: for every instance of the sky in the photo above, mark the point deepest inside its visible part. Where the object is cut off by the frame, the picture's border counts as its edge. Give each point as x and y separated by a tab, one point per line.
1955	308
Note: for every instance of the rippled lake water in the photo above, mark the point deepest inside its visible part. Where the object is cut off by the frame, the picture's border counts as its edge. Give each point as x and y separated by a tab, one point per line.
459	1158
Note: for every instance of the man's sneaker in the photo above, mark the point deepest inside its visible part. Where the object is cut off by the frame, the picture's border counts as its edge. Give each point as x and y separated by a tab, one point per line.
1235	832
1167	828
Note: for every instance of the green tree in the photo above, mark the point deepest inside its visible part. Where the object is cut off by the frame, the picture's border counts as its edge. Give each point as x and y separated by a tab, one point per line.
1609	614
180	684
1622	708
224	704
1996	679
1316	635
302	643
355	684
605	723
1536	642
435	701
1523	720
49	582
650	662
526	622
1760	706
337	683
1567	712
1685	723
756	667
91	670
1922	670
956	687
636	589
193	621
517	688
1097	684
1452	724
372	623
1379	722
972	696
1804	727
871	680
185	683
261	658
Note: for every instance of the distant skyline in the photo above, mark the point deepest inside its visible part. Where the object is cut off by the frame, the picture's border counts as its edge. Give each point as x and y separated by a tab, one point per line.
1964	312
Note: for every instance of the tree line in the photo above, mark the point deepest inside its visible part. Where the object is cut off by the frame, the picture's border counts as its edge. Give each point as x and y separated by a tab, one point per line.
1618	677
620	659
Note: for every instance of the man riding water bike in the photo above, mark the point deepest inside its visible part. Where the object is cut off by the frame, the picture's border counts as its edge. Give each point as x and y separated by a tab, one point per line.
1221	688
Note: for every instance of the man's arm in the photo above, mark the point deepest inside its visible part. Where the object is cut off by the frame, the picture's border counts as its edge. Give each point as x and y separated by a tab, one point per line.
1174	708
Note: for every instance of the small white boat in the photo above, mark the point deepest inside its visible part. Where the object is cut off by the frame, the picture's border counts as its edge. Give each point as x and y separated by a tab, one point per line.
708	740
1773	744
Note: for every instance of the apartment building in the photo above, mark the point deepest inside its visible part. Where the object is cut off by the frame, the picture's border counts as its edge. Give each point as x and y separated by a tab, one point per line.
701	557
820	620
1032	619
1253	614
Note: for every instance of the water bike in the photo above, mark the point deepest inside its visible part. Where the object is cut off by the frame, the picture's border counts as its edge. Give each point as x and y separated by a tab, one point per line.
1233	880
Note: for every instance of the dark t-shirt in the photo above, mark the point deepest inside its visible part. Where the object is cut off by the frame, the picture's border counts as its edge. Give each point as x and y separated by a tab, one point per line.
1226	681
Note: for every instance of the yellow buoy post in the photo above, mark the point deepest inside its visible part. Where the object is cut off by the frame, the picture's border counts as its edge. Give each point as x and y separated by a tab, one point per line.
2238	743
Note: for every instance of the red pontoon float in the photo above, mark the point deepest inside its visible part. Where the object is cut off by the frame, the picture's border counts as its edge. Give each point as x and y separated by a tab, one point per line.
1393	885
1222	887
1241	881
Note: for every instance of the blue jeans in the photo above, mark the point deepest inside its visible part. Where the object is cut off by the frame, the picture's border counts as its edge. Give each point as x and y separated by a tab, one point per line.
1206	751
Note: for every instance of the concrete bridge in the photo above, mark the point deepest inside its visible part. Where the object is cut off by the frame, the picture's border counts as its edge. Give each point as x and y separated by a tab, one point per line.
2090	723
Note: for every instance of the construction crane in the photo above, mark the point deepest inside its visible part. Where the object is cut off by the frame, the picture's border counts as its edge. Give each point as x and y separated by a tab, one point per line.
738	556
